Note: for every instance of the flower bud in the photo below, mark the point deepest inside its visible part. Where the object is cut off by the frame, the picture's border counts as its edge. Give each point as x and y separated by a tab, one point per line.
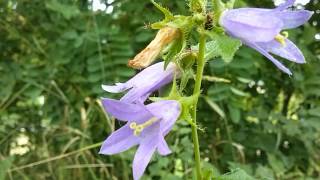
164	36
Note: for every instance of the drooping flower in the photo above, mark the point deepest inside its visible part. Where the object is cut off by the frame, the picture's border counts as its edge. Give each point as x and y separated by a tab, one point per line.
145	82
147	56
146	126
260	29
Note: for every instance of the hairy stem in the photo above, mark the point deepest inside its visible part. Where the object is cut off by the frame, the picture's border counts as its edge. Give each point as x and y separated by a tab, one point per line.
197	91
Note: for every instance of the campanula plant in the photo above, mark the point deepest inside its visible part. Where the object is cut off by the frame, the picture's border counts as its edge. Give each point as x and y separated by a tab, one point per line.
220	30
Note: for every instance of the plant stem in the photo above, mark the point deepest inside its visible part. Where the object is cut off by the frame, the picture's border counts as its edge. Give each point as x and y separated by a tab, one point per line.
197	91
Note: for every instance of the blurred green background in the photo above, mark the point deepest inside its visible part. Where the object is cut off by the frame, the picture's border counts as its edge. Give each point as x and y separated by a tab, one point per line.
55	54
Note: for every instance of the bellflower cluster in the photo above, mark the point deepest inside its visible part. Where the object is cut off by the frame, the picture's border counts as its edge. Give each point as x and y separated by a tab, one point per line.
260	29
146	125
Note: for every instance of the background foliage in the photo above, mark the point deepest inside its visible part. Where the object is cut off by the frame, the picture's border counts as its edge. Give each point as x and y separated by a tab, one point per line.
56	54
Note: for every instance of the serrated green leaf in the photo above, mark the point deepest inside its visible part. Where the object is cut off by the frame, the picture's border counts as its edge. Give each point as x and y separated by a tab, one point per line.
223	46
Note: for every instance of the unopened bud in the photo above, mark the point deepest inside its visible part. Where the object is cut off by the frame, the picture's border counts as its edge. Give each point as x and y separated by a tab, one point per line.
164	36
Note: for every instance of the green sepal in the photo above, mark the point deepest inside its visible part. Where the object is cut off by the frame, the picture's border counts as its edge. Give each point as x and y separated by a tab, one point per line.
174	93
184	24
187	106
174	49
197	6
168	16
185	61
218	8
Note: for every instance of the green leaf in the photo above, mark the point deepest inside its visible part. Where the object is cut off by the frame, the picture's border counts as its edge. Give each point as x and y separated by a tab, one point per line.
276	164
315	112
264	172
235	113
239	92
221	46
237	174
5	164
215	107
67	11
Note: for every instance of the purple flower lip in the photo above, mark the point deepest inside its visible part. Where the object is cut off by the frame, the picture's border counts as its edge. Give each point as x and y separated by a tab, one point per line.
260	29
144	83
146	126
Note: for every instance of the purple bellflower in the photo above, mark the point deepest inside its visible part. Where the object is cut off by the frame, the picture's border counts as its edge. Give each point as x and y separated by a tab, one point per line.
145	82
146	126
260	29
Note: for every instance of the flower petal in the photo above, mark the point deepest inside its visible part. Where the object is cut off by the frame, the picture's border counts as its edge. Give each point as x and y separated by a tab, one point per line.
285	5
166	110
163	147
290	51
119	87
143	156
293	19
251	24
145	82
149	80
126	111
271	58
119	141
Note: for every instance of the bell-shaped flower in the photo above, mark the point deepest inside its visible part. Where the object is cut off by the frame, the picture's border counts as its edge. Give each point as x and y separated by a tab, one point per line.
145	82
146	126
261	29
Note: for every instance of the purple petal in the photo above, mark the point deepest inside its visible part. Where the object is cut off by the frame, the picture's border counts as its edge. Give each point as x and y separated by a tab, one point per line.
143	156
163	147
271	58
136	94
149	80
293	19
290	51
119	141
119	87
126	111
251	24
145	82
285	5
168	111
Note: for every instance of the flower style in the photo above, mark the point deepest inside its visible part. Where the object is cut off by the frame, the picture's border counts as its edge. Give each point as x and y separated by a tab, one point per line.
260	29
146	126
164	36
145	82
